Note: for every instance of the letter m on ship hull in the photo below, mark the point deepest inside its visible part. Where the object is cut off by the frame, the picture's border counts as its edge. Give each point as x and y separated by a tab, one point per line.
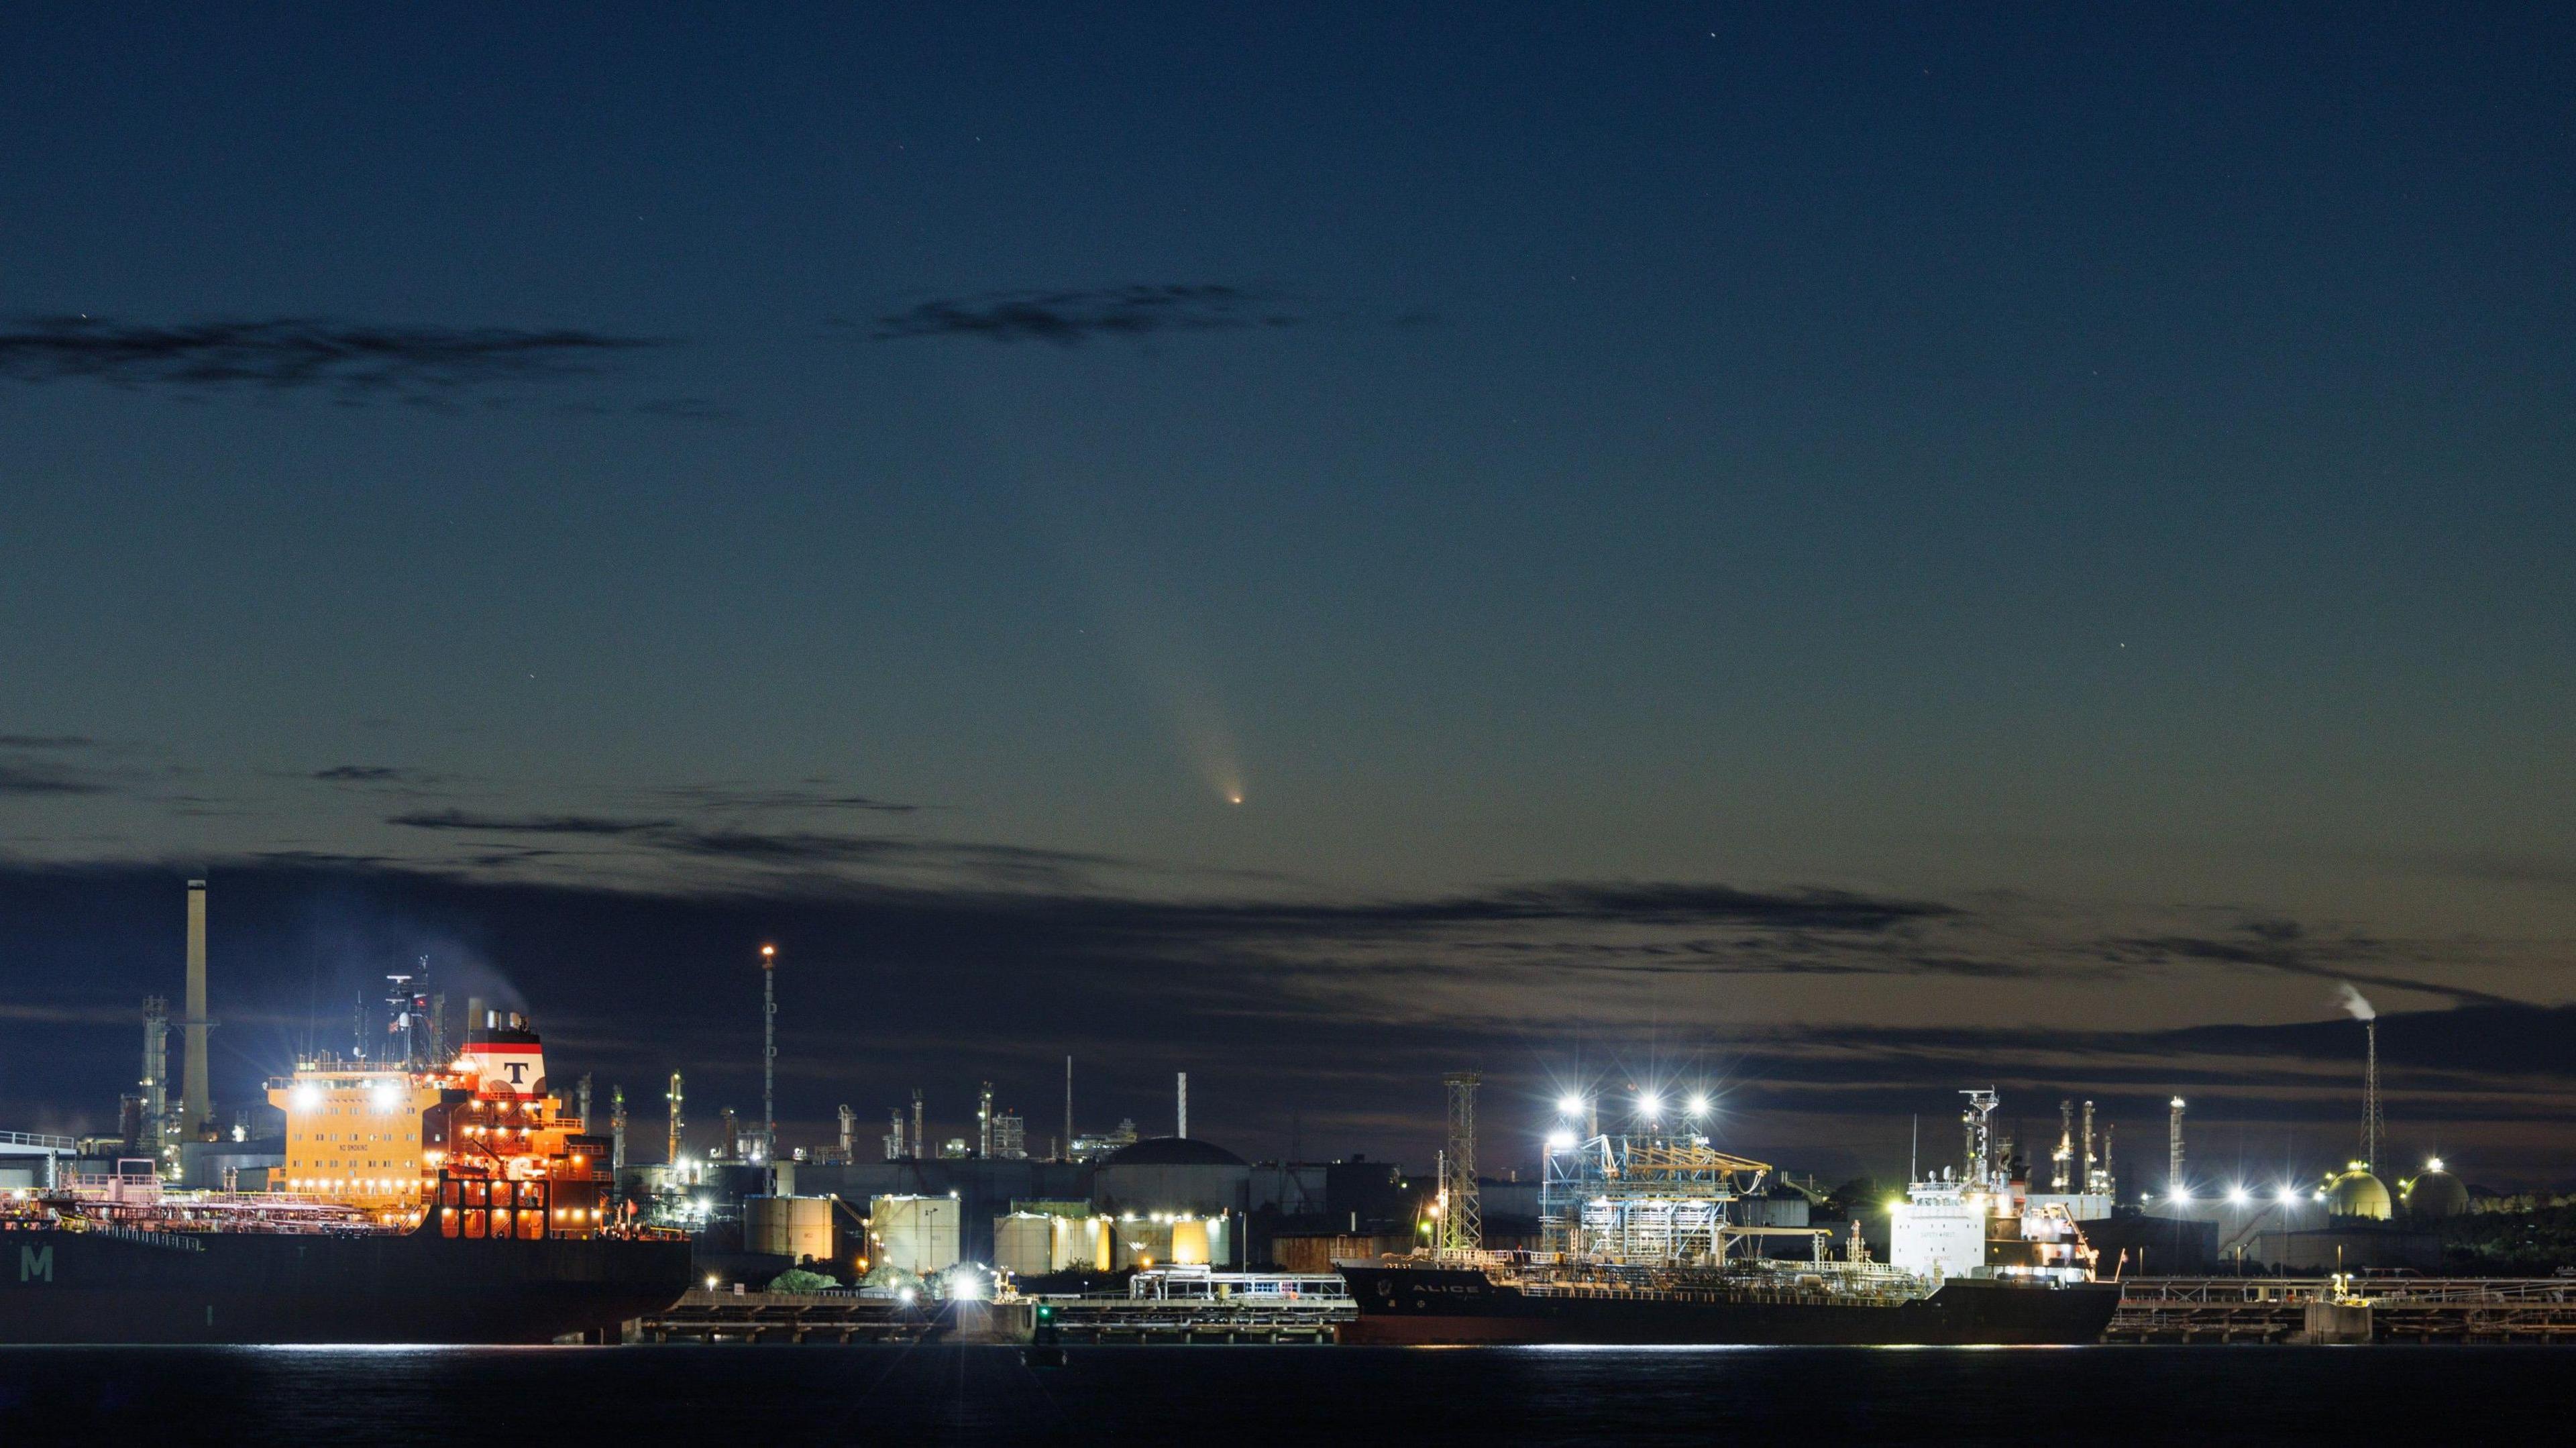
36	1264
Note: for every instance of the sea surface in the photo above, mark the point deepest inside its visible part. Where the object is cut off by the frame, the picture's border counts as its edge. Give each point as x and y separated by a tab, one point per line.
2172	1397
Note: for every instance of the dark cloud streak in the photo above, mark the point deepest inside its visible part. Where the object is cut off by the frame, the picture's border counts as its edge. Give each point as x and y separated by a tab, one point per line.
36	779
1072	318
457	819
354	361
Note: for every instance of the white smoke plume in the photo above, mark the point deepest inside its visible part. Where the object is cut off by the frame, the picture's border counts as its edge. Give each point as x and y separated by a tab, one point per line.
2357	1004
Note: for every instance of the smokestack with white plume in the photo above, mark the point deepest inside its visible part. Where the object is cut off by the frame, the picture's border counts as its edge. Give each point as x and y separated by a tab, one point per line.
2357	1004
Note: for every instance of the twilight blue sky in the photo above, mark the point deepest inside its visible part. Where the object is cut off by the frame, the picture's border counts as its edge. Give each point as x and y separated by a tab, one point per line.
2089	488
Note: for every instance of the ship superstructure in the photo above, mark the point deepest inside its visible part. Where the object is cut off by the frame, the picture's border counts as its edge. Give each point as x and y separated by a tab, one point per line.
478	1145
1978	1220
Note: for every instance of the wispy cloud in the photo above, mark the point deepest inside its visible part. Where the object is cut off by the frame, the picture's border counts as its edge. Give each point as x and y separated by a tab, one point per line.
40	779
1071	318
46	741
352	360
457	819
739	797
373	774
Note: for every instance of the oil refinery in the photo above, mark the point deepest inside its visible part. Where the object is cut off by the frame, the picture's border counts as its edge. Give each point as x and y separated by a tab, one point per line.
438	1133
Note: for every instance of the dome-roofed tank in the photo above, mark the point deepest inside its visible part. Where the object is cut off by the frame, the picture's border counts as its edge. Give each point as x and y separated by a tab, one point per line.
1172	1151
2354	1192
2436	1194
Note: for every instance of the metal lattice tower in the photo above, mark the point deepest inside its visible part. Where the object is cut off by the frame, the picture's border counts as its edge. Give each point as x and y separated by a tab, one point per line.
2373	1124
1462	1225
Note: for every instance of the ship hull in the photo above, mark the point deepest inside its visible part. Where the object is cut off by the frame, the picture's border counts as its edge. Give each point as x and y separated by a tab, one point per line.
1456	1306
260	1288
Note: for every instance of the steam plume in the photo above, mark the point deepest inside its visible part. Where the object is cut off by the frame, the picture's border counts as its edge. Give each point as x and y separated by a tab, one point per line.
2357	1004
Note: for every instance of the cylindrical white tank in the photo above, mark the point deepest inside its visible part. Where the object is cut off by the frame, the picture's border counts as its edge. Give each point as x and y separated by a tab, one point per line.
917	1234
1024	1243
1083	1244
792	1227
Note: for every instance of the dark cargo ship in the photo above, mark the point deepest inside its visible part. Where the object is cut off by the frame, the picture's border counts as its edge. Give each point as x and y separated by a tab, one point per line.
91	1284
452	1203
1402	1302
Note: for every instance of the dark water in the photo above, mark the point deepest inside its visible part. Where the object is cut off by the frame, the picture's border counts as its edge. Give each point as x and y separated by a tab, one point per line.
1322	1397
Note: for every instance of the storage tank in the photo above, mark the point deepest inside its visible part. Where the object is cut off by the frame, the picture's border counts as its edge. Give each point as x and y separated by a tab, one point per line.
1141	1242
2436	1195
2356	1192
1172	1177
1083	1244
918	1234
792	1227
1189	1243
1024	1243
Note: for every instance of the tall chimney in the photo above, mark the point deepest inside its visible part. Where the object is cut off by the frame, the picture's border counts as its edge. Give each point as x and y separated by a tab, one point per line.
196	1100
1181	1127
2373	1124
1068	1108
920	1143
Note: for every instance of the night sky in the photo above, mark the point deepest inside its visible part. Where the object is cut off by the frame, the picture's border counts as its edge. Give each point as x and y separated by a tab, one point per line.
1840	557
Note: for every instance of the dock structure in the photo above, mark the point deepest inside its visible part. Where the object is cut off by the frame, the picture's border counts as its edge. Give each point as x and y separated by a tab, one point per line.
831	1317
2345	1309
1186	1306
1169	1309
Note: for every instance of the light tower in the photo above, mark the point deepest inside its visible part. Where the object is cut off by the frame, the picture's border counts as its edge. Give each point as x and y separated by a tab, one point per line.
768	1053
678	1122
1462	1223
2173	1153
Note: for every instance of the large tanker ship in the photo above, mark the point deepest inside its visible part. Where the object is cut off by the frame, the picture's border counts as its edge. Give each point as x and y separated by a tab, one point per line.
1648	1241
458	1204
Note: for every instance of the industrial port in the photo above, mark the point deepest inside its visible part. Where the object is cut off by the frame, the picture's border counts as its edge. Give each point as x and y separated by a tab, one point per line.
441	1124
